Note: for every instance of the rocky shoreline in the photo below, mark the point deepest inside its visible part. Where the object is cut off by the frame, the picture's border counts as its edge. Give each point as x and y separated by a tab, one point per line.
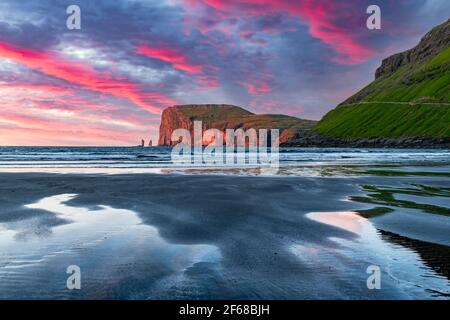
309	139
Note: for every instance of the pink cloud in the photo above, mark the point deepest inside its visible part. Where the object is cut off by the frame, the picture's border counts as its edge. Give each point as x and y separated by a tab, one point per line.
33	114
180	61
328	21
36	87
321	17
260	88
81	75
17	128
257	83
173	56
64	135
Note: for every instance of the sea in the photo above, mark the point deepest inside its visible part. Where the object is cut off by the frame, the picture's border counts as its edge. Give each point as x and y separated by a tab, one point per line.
292	161
131	223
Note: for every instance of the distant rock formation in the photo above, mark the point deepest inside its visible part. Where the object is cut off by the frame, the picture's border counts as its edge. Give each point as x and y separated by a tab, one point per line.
222	117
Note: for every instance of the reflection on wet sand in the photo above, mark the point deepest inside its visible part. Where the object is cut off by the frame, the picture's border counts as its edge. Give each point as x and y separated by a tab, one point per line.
206	237
408	261
108	244
434	255
344	220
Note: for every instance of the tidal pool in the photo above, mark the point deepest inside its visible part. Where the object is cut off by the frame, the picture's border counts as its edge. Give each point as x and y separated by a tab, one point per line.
401	265
119	257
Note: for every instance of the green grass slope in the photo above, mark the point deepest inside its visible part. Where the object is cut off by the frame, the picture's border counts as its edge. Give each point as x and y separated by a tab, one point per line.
390	121
412	101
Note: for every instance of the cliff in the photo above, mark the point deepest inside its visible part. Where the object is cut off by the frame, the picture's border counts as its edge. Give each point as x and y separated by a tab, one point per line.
224	117
408	104
434	42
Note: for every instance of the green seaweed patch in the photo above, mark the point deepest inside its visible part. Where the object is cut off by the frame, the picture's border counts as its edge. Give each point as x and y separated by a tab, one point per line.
417	190
433	191
384	196
374	212
396	173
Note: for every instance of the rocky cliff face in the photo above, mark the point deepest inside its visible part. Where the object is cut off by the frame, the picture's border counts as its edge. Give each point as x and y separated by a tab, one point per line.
224	117
404	70
432	43
172	118
407	105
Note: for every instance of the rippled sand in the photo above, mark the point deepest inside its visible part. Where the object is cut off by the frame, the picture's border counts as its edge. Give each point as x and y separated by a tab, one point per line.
215	237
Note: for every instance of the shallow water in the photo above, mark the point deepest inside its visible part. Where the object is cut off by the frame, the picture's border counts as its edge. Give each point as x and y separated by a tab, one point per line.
107	244
292	161
438	201
400	264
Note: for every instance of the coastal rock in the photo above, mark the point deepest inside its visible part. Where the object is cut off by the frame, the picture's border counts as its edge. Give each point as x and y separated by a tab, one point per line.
171	119
408	105
222	117
311	139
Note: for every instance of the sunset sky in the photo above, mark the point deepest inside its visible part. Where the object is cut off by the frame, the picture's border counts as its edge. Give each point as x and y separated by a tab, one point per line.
107	83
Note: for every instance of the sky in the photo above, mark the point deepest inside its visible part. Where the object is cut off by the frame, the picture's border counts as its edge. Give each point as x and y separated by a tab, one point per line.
107	83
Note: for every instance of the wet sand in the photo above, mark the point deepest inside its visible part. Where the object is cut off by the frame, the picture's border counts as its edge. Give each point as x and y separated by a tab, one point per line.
208	237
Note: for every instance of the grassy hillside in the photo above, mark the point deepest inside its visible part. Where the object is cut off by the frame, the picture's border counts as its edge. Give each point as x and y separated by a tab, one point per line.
383	120
413	100
213	113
